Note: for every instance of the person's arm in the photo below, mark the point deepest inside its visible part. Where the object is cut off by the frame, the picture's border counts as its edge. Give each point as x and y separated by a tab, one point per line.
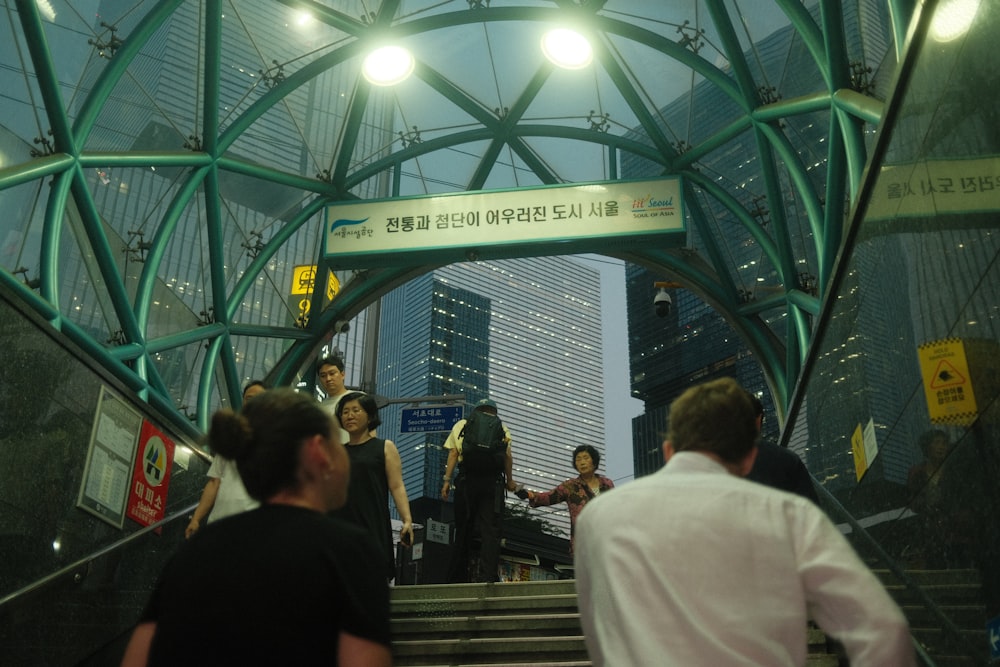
846	600
508	468
449	470
394	476
137	651
205	506
553	497
355	651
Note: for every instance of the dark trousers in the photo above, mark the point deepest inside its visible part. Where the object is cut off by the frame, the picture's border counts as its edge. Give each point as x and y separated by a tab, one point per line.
478	505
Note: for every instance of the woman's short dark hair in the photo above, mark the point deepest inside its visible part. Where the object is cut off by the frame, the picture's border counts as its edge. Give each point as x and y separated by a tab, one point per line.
367	404
595	455
265	439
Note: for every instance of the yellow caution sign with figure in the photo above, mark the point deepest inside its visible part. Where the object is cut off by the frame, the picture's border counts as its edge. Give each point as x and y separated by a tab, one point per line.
947	382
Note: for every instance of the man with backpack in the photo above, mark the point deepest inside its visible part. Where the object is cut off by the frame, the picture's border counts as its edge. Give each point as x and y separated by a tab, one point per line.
480	446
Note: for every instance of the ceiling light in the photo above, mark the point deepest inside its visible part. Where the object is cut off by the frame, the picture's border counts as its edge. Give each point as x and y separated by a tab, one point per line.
388	66
567	49
953	19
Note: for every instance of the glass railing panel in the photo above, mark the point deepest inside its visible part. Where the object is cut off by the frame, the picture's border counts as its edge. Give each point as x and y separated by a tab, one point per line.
897	417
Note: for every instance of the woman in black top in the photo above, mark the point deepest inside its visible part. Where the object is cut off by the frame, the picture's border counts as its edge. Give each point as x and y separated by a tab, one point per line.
283	584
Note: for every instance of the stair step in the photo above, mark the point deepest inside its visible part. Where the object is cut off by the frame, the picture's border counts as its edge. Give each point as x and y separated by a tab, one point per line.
537	604
480	590
479	625
514	650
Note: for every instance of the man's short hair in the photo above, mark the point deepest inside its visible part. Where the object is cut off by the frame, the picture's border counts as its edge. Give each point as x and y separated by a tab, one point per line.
716	417
330	361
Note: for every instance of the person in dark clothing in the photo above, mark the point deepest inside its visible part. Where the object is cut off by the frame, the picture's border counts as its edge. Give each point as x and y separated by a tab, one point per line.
283	584
479	500
778	467
376	472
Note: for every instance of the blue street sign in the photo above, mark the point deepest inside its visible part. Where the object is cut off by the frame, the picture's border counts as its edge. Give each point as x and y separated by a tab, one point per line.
993	635
430	419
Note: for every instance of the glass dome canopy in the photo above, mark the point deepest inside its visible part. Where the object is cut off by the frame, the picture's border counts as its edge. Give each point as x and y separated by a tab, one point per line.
167	163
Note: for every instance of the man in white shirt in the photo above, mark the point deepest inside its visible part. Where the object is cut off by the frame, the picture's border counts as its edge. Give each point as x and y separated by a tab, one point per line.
330	371
694	566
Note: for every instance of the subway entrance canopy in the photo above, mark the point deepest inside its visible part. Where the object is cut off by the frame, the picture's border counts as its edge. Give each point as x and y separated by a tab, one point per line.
166	166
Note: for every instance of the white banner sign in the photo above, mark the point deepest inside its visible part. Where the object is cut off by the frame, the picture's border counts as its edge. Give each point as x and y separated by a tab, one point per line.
507	223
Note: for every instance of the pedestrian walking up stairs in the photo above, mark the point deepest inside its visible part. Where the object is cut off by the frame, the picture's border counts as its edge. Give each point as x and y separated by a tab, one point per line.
527	623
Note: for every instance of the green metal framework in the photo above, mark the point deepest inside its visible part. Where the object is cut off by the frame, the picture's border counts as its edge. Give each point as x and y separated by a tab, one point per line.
706	270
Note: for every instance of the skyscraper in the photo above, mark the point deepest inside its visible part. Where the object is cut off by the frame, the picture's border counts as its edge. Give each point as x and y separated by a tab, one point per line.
525	333
694	343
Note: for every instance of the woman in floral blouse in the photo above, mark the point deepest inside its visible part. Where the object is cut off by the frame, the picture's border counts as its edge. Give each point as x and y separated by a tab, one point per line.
578	491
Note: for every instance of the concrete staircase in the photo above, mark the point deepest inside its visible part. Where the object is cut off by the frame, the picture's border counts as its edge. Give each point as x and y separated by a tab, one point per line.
959	596
489	625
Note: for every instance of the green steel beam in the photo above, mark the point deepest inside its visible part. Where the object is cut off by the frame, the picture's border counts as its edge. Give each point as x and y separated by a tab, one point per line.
112	72
725	198
900	13
204	407
217	277
833	220
46	77
635	102
105	257
507	124
144	159
811	34
160	241
211	70
52	230
803	301
273	245
36	170
709	144
532	130
864	107
172	341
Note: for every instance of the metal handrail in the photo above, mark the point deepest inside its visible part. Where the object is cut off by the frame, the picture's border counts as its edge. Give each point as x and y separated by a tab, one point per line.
81	562
946	623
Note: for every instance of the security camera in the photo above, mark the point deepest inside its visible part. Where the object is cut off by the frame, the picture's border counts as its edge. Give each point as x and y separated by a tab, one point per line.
662	303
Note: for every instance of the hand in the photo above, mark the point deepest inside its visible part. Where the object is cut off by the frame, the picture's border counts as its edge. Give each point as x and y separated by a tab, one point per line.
511	485
406	533
192	528
445	488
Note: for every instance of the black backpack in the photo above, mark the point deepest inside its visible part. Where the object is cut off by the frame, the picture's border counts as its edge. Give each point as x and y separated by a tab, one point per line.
484	446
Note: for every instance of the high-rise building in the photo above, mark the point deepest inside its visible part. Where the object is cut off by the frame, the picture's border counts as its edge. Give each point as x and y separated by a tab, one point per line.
694	343
525	333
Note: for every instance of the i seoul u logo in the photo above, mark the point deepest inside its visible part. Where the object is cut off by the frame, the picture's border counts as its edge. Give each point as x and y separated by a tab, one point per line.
155	458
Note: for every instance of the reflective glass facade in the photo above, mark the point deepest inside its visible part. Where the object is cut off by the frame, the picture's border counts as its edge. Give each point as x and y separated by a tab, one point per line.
525	333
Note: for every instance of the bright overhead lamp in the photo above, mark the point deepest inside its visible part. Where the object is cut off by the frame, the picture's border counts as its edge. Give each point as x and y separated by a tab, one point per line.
567	49
953	19
388	66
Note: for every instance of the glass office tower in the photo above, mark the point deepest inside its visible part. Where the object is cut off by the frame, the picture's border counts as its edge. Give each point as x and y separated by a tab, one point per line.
694	343
525	333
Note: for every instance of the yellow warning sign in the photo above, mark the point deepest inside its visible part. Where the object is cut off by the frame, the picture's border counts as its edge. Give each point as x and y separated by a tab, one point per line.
947	388
858	448
303	279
